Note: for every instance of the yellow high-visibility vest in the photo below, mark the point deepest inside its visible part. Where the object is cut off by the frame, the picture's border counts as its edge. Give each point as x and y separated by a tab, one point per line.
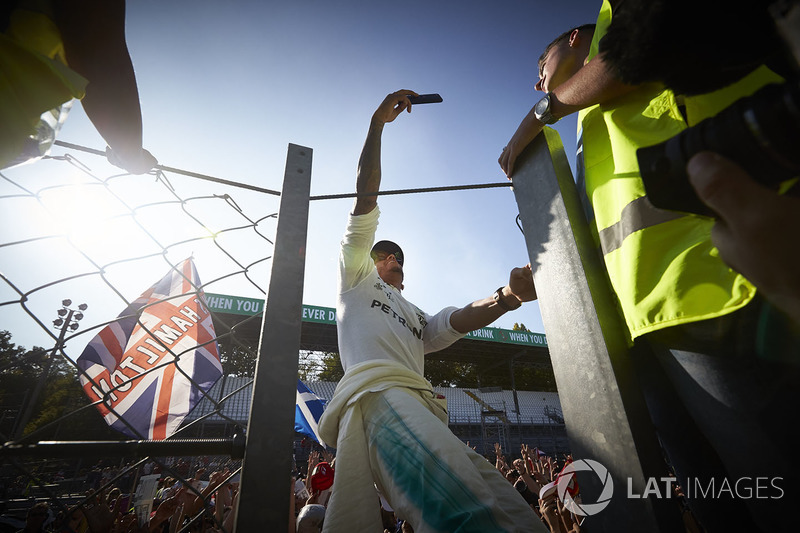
661	264
35	78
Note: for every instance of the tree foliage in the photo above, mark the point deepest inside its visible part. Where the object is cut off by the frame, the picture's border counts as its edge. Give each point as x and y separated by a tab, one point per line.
331	367
62	394
472	375
238	358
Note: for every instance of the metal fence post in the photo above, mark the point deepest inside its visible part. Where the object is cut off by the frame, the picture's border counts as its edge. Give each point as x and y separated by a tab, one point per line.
604	409
265	491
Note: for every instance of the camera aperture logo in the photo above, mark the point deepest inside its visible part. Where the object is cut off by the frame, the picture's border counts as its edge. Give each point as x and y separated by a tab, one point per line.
585	509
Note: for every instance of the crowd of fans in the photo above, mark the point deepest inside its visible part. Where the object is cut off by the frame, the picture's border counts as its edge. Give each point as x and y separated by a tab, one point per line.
532	472
202	496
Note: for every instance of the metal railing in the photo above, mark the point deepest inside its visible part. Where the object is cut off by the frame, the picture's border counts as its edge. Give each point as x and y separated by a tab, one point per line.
603	407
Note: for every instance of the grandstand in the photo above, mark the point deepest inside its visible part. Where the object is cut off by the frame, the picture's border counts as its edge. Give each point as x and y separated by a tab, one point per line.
480	416
539	421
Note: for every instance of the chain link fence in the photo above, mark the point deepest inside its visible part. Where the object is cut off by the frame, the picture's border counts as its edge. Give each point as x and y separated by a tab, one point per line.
79	241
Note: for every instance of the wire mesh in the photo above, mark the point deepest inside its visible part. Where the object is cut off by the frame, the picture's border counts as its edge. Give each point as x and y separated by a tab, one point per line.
79	241
75	229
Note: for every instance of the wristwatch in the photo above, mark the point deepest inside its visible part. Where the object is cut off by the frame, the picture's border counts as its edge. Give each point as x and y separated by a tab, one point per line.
542	110
498	297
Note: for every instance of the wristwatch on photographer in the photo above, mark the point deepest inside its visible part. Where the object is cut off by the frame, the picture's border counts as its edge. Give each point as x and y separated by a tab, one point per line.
542	110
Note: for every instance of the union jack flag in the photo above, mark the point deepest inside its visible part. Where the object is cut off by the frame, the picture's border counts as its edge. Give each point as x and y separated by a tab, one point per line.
146	368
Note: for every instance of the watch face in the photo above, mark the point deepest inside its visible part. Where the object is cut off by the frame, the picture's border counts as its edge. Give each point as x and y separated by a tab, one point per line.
542	106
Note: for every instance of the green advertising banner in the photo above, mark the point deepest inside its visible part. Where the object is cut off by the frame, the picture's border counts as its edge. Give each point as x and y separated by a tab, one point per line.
508	336
237	305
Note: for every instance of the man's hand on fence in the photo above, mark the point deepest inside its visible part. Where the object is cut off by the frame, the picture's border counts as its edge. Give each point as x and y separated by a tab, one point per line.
136	162
526	132
521	283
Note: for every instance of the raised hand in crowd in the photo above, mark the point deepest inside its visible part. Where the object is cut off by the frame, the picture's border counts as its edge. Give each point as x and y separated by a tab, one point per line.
216	479
164	512
99	515
568	521
525	453
550	469
194	502
538	469
128	523
500	462
548	507
313	461
527	471
327	456
176	519
230	519
314	497
222	501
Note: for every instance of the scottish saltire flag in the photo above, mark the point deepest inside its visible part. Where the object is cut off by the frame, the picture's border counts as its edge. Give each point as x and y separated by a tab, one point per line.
150	364
307	412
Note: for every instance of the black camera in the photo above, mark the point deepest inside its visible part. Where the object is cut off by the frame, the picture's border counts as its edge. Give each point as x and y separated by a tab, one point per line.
760	132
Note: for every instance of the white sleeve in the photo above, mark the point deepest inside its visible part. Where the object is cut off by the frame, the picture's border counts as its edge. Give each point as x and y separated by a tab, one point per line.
354	260
438	333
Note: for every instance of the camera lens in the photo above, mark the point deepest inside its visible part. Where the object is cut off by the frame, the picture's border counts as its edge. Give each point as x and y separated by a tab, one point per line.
760	133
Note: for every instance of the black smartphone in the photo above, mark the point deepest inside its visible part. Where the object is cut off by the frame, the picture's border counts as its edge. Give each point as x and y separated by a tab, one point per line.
425	99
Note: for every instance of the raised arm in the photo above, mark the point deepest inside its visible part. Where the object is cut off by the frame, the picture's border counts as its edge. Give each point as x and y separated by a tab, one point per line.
369	164
594	83
483	312
93	32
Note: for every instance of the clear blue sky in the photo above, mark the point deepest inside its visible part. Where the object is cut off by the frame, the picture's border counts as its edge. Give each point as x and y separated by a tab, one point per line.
225	86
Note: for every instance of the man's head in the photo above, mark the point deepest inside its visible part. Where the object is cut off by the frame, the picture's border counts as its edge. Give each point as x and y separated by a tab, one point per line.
564	57
388	258
310	519
692	46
